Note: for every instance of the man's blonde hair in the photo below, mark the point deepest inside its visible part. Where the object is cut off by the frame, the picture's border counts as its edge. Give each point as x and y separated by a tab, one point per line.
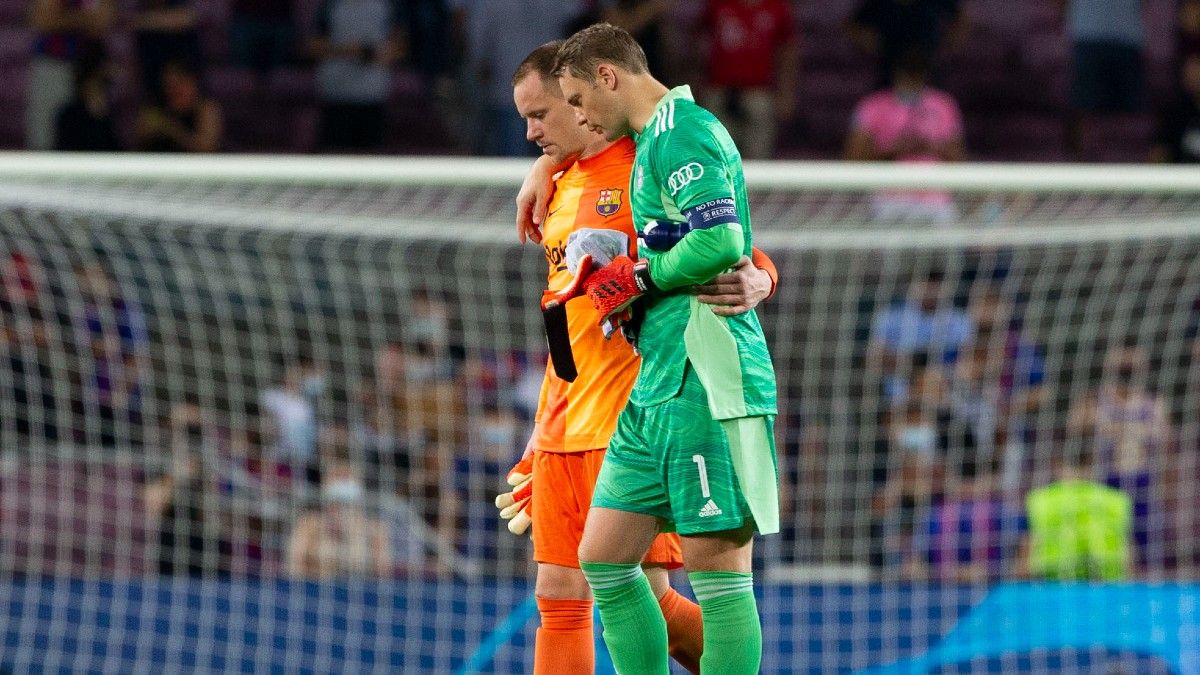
599	43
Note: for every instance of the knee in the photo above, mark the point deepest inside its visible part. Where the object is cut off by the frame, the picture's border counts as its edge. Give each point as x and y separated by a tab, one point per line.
585	552
561	583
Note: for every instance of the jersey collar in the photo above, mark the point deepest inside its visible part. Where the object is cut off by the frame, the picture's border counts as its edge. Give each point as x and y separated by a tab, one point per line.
682	92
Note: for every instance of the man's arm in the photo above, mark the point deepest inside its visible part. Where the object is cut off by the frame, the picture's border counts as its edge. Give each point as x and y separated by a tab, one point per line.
715	239
702	253
751	281
534	197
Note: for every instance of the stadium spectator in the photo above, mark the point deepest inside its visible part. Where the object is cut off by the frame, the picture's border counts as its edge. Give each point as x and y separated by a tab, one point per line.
292	407
338	538
1189	29
417	391
184	504
973	536
495	438
997	381
1132	431
908	122
86	121
25	347
261	34
111	329
428	24
428	325
186	120
1107	37
888	29
252	497
645	20
166	31
63	29
377	433
753	68
1078	528
500	34
107	313
924	321
803	488
356	44
1178	136
913	477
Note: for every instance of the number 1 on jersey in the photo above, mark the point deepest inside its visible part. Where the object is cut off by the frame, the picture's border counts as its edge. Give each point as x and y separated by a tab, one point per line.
699	460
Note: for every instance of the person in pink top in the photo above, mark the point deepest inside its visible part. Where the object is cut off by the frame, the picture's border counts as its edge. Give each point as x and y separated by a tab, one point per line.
909	122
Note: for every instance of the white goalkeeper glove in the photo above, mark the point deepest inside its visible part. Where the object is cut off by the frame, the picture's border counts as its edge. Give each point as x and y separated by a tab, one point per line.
600	247
516	505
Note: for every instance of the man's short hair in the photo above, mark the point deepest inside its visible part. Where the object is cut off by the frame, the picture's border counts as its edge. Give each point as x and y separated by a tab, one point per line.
600	43
540	62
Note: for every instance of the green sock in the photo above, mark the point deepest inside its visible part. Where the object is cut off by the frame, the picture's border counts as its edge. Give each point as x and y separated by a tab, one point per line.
634	628
732	633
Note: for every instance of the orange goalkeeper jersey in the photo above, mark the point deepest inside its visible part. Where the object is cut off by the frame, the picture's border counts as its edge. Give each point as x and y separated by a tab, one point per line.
581	415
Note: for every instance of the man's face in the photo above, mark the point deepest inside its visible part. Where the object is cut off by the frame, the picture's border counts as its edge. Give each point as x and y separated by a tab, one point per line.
549	121
596	104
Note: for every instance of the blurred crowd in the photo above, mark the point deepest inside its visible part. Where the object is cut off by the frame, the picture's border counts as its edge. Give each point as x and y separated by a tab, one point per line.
985	454
896	80
988	468
303	470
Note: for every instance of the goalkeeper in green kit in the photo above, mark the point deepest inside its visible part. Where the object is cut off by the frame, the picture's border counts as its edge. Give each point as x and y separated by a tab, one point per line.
694	448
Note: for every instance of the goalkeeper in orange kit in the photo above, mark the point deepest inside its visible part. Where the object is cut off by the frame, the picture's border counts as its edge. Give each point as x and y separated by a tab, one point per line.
578	410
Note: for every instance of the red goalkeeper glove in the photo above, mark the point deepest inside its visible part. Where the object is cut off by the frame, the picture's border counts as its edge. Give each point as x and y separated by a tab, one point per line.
515	506
614	287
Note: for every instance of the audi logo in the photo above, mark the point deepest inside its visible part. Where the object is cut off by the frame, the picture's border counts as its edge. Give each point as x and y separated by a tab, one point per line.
690	172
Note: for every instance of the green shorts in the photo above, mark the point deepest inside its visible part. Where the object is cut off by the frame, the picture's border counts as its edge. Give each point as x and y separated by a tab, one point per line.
672	460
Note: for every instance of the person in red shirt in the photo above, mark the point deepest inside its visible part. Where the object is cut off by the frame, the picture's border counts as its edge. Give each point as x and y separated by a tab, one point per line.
753	63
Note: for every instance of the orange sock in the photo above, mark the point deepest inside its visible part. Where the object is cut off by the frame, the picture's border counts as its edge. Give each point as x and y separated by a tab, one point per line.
564	645
685	629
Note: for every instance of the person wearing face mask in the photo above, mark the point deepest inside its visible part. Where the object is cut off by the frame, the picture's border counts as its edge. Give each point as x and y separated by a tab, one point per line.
292	406
909	122
338	538
914	480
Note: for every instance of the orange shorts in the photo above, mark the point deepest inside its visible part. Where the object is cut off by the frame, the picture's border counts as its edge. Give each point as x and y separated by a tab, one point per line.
563	491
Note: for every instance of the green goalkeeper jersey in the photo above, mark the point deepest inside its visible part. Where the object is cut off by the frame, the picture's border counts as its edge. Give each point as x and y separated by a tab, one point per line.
686	162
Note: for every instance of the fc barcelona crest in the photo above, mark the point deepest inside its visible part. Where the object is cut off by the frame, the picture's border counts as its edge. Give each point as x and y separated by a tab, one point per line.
609	202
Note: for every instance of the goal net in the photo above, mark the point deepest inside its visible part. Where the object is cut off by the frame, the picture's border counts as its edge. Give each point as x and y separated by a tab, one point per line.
253	413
